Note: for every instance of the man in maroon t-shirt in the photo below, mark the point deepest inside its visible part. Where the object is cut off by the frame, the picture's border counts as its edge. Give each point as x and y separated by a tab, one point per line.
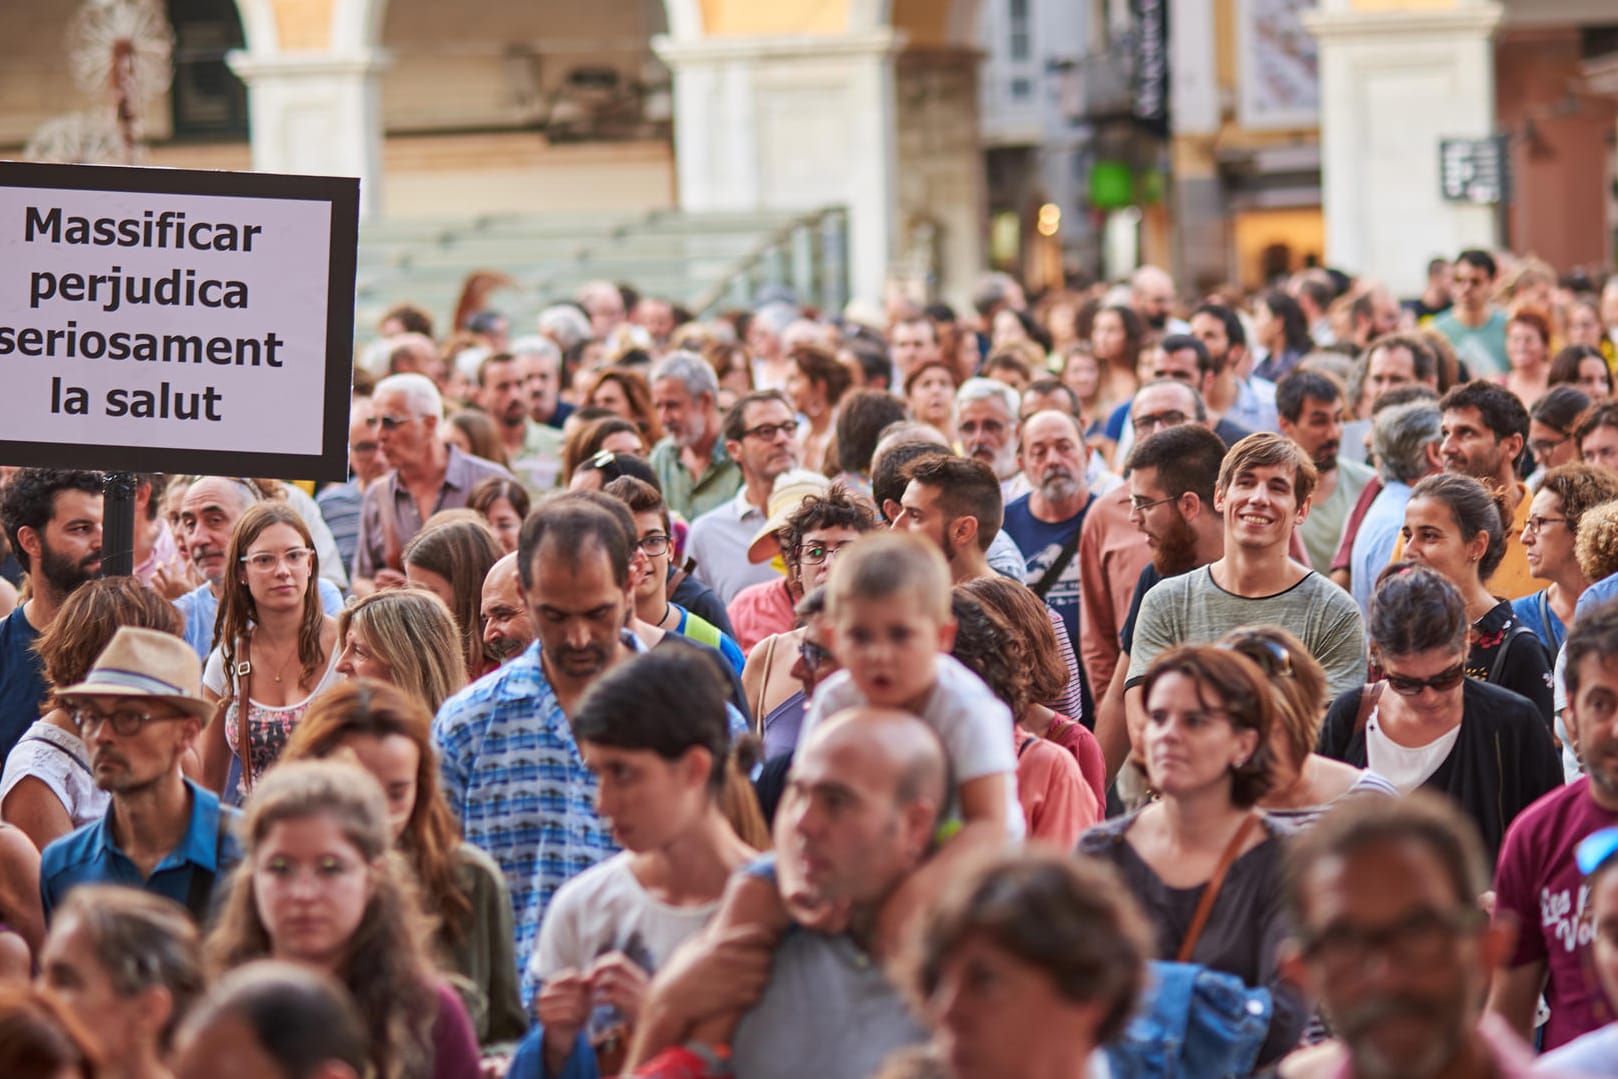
1537	882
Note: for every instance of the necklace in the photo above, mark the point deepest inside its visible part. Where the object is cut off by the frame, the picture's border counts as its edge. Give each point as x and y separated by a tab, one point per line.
667	606
279	669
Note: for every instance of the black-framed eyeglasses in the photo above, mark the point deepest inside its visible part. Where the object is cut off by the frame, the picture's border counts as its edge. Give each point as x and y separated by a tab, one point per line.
125	722
1419	938
1544	447
387	421
1137	504
656	545
814	655
1272	656
813	554
1407	686
768	431
1170	418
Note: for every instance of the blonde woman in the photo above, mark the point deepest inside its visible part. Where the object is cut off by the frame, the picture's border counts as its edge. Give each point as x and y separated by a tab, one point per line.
405	637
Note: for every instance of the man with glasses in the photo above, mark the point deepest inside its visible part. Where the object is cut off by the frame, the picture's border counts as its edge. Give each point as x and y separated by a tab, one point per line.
340	502
1473	324
426	475
1538	884
758	432
139	711
1181	360
1390	937
1311	411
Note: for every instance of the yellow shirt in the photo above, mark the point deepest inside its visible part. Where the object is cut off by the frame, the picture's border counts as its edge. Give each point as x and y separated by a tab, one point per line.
1511	578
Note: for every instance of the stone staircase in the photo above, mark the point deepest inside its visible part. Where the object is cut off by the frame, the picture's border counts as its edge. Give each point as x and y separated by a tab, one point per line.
701	260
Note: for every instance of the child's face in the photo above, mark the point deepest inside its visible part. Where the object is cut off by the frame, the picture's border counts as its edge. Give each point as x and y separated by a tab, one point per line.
889	645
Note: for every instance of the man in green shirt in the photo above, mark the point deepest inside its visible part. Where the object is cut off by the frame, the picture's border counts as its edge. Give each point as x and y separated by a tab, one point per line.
1473	325
696	473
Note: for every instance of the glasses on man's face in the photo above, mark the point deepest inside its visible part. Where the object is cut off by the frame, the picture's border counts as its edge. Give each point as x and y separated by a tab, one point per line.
1137	504
769	431
263	561
1419	939
1408	686
1153	420
656	545
388	421
814	656
1535	525
1544	447
125	722
813	554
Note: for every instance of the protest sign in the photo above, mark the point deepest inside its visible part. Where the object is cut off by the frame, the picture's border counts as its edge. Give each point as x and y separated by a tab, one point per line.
166	320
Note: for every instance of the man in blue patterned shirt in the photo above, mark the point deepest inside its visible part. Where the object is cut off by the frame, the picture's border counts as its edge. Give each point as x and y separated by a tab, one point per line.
511	769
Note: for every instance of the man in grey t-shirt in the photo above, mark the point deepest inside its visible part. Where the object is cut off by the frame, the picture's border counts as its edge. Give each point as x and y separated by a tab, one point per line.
1265	484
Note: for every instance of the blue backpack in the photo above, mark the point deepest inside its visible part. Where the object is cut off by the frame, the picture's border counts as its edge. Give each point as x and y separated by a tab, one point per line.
1195	1023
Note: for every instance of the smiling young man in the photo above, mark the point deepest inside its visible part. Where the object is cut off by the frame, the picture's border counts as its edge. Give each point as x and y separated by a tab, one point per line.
1263	493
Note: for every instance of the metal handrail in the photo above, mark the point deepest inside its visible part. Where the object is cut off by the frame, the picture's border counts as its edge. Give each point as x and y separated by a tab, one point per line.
809	254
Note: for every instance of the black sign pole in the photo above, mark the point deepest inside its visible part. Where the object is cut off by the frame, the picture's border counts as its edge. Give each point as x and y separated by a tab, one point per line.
118	525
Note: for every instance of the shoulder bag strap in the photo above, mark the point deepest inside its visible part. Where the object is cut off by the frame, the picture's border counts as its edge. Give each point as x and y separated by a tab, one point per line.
1211	892
1498	667
244	689
1054	571
1369	695
764	680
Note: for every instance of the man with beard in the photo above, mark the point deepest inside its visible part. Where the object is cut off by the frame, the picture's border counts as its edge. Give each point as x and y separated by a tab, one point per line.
1538	883
1232	391
1151	294
1390	938
986	420
512	773
139	711
507	631
1311	411
53	520
1265	484
1111	556
1047	521
692	464
540	360
534	450
955	504
1169	502
758	434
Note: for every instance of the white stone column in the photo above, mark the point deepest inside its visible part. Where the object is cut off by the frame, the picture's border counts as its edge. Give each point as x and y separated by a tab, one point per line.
791	123
1392	84
317	114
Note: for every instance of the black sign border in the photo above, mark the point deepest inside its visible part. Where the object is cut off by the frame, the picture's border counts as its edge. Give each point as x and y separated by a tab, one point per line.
343	195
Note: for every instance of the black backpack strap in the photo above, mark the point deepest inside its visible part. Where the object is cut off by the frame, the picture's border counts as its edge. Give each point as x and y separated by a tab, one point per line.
1518	629
199	897
1054	571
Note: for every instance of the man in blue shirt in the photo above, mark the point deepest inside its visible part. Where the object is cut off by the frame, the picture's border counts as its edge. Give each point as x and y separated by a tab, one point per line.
139	709
53	520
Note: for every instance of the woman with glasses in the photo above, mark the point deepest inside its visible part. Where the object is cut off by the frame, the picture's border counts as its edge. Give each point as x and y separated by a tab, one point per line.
389	734
1203	861
1550	537
407	638
1426	724
1306	784
1455	527
318	888
277	648
1550	429
450	559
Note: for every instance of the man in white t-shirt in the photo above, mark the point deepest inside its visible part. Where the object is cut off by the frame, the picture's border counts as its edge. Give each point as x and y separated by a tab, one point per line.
654	733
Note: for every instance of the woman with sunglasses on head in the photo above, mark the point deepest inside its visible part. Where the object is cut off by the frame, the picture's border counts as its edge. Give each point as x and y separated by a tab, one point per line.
1426	724
277	648
1306	784
388	733
321	886
1203	861
588	437
1453	525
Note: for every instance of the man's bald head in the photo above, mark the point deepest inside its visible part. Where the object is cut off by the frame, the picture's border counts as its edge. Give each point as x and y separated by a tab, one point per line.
507	629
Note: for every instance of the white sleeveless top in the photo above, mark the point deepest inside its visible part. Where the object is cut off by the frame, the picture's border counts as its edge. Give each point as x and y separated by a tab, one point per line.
57	759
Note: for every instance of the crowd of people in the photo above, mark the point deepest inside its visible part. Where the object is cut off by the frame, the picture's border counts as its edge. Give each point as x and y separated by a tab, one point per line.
1117	683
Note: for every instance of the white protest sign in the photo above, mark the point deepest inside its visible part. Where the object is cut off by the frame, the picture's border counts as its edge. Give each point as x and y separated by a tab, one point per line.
165	320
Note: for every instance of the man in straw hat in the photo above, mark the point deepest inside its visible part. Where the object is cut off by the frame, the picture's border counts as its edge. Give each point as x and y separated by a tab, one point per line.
139	711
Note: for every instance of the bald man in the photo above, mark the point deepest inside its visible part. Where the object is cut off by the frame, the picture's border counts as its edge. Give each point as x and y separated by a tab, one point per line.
863	801
507	630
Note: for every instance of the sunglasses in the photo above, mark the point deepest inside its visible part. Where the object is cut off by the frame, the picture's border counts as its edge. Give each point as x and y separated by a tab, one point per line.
1443	681
1270	655
387	421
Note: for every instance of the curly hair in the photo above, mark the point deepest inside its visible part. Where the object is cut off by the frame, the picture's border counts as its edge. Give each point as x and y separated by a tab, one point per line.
413	633
29	501
1580	488
1032	637
365	707
1241	692
386	966
461	552
88	618
237	608
1596	547
837	508
983	646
